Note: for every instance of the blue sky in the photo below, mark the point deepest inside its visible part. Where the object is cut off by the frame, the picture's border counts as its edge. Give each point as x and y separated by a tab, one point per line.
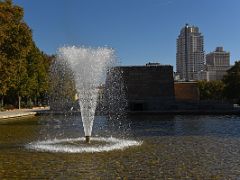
140	31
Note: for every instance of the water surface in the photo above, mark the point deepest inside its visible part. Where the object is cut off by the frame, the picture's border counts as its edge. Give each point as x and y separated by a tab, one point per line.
178	147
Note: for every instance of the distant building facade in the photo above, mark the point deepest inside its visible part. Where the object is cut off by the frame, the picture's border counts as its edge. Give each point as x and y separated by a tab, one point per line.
217	64
190	53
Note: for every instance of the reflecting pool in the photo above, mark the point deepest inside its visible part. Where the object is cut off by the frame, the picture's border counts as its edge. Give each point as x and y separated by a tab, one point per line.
178	147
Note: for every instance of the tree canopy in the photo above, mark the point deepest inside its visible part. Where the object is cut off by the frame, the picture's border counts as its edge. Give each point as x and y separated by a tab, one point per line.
227	89
212	90
23	67
232	83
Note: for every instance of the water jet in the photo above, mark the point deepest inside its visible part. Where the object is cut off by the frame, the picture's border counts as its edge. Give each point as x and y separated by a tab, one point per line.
89	66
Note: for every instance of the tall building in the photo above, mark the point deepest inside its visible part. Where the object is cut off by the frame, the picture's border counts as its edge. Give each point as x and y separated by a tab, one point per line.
217	63
190	53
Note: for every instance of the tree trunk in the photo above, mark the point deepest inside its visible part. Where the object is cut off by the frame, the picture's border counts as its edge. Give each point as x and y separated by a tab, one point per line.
2	101
35	100
30	103
19	102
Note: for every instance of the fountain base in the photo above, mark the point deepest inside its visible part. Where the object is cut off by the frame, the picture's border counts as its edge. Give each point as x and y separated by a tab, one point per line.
78	145
87	138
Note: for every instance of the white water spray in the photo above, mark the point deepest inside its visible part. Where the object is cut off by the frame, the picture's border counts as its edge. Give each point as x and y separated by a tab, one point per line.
90	67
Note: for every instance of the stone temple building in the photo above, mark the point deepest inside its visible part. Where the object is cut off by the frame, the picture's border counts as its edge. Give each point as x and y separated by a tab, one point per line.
149	87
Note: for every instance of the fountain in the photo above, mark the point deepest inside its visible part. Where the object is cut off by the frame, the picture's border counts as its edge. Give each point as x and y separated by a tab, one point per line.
89	67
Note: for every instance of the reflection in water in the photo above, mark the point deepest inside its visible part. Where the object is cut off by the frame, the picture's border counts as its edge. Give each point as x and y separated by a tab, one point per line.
18	131
152	125
185	125
194	147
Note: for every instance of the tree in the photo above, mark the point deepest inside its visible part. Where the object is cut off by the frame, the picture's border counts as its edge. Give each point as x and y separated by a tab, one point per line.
232	83
38	71
15	44
211	90
62	88
4	78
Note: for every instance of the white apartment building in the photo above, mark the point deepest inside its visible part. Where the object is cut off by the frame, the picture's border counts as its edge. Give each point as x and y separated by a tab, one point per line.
217	64
190	53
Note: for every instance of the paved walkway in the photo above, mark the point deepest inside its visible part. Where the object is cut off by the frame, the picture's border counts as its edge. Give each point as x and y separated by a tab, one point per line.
20	113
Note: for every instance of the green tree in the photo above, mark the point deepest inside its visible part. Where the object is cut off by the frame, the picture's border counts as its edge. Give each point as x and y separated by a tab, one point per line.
232	83
211	90
38	72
